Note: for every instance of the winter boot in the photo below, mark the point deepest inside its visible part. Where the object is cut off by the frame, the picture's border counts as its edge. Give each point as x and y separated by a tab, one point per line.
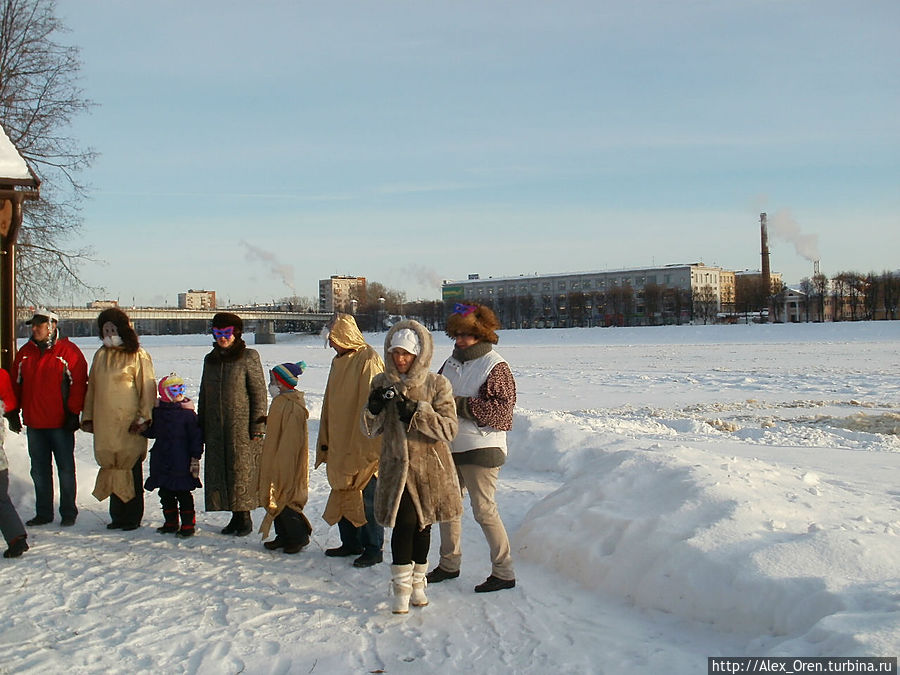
401	584
187	524
171	524
419	582
243	525
231	527
17	547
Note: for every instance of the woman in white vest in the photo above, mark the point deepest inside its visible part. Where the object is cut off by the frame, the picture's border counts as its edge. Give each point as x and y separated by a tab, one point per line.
485	395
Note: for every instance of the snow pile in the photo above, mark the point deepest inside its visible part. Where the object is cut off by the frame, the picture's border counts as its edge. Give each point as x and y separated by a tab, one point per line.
742	544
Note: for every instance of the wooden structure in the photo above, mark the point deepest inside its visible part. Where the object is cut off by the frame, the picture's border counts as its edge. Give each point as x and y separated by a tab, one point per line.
17	183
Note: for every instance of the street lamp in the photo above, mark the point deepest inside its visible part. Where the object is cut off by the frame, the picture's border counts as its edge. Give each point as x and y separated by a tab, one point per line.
380	313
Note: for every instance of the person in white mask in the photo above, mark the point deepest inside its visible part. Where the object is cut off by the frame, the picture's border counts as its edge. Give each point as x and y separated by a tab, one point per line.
117	408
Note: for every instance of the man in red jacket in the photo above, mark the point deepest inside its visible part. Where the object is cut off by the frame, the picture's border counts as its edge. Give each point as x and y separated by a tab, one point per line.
49	377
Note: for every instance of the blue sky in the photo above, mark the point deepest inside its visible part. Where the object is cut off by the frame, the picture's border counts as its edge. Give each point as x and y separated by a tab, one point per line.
254	148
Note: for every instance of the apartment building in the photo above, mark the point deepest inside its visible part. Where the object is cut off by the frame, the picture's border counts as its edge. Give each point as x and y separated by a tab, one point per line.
194	299
338	293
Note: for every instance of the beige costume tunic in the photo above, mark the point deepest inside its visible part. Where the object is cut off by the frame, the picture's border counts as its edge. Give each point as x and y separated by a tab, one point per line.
351	457
121	390
284	465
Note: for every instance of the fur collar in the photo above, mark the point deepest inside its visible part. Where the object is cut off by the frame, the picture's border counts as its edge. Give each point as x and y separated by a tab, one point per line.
232	353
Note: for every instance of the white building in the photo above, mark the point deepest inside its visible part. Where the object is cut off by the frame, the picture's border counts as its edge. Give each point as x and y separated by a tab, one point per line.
636	295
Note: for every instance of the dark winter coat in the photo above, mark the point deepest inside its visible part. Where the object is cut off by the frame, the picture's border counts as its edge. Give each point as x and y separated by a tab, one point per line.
232	410
416	456
178	440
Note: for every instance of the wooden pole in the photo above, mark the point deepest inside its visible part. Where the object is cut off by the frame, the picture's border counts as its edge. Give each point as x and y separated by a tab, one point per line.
8	284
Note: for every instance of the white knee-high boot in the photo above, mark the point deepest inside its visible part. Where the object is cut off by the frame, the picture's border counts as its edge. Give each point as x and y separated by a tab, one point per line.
419	582
401	583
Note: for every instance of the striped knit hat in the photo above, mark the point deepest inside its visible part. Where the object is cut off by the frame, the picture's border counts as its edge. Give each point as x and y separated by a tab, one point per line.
288	373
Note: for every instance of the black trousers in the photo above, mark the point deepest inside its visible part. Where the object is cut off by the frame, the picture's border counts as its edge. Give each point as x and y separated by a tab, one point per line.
130	512
408	542
170	500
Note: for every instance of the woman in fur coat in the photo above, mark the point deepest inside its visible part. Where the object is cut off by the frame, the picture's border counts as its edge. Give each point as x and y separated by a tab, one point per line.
118	406
414	411
232	411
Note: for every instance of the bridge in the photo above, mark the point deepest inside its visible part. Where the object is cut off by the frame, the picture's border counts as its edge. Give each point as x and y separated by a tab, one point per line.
81	321
165	313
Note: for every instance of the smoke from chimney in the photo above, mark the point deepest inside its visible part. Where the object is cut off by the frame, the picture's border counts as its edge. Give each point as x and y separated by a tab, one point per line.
785	227
280	270
423	276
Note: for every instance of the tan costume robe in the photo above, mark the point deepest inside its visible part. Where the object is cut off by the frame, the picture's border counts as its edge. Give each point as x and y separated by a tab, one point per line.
351	457
121	390
284	465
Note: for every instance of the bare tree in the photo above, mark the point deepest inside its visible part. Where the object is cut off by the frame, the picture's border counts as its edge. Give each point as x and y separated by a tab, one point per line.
871	289
620	302
706	303
750	293
839	290
526	309
577	305
653	295
598	302
891	295
39	97
855	293
778	298
680	304
820	286
806	289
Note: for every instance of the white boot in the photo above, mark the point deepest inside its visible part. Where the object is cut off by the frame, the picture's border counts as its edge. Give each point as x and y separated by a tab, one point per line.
419	582
401	584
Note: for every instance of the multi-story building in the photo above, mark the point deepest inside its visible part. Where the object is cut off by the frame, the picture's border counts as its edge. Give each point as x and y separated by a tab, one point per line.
639	295
197	300
339	293
726	291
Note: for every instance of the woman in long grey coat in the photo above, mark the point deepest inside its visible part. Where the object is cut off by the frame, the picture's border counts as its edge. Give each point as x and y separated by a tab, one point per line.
414	411
232	411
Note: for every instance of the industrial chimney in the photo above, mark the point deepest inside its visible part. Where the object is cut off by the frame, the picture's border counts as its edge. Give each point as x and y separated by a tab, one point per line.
765	272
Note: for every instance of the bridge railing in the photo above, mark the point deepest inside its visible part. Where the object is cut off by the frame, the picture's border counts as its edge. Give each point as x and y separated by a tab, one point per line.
25	313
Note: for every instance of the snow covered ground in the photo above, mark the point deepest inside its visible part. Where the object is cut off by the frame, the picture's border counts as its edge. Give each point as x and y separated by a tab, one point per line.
672	493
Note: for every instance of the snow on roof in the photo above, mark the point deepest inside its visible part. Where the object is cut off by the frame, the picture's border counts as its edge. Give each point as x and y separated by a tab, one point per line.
12	165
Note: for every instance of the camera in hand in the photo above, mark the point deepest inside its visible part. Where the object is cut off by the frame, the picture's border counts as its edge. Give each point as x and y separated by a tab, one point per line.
388	393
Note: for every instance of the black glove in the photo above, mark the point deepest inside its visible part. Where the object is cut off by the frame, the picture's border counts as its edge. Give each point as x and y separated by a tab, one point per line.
376	400
15	421
71	422
406	408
